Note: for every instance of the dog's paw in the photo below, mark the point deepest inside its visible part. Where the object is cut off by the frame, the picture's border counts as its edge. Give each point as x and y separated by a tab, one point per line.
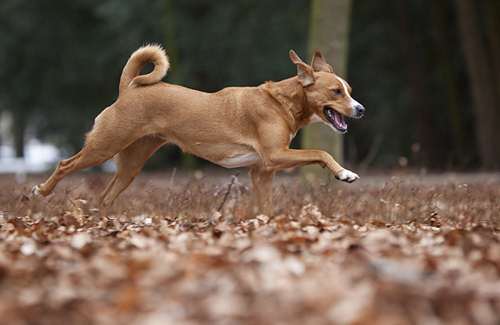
35	192
346	175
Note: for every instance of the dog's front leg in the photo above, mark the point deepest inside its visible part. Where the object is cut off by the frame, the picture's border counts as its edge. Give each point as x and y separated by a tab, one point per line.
262	185
287	158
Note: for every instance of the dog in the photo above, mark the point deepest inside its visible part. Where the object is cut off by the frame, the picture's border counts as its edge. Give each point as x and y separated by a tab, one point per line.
234	127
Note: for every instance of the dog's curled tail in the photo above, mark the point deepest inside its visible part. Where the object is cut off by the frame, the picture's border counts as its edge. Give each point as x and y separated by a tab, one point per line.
150	53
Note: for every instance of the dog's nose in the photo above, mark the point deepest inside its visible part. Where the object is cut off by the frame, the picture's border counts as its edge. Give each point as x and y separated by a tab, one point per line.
360	110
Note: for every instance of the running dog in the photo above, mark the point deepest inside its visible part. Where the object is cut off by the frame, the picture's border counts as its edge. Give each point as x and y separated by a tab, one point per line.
234	127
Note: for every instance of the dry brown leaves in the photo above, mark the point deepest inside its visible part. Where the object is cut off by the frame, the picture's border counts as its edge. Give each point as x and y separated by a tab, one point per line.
390	253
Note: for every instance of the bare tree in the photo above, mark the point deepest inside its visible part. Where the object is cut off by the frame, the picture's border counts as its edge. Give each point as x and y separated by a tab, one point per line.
483	81
328	31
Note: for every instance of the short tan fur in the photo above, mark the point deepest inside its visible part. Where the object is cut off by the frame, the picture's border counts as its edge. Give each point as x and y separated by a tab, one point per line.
234	127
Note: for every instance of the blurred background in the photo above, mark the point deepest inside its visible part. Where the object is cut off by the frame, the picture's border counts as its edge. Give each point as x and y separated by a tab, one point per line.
428	72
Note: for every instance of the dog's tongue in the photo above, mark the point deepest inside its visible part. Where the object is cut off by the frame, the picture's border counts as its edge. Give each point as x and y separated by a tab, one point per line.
339	120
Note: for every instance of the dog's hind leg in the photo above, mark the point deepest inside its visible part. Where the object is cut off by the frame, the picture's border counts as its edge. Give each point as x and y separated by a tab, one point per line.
129	163
101	145
108	187
262	185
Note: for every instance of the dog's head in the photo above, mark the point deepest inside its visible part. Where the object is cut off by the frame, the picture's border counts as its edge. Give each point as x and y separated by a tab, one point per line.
328	95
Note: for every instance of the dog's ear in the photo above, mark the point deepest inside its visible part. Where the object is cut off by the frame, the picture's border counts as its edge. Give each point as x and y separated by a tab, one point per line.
318	63
294	57
304	72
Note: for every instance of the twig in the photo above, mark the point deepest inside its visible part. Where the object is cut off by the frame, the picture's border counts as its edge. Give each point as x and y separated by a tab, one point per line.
233	180
172	176
374	148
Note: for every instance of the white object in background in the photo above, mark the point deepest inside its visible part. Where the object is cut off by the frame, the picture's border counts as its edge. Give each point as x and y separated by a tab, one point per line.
39	157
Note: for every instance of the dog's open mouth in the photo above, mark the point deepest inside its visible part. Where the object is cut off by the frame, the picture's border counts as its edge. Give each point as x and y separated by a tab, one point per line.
336	119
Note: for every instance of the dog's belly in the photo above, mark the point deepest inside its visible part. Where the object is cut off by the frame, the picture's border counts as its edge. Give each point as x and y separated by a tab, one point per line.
222	154
240	160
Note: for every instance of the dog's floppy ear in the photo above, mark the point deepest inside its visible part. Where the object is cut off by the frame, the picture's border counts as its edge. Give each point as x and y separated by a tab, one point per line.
318	63
304	72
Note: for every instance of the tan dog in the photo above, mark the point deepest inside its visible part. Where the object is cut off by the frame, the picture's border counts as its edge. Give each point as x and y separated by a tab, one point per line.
235	127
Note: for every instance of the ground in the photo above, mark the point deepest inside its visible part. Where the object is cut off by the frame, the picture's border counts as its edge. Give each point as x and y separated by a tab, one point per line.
179	250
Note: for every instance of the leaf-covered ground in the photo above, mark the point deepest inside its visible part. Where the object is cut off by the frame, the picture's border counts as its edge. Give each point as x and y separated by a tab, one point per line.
180	250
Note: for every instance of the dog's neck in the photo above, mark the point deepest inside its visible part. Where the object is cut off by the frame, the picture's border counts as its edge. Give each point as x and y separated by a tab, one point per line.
292	100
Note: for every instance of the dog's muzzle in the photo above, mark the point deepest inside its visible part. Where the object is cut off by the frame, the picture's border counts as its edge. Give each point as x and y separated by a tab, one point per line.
359	111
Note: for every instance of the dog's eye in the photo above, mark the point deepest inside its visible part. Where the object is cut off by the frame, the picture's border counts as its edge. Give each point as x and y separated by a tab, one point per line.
337	92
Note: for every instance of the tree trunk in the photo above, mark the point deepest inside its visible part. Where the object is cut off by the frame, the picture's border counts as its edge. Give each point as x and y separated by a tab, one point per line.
176	76
421	104
18	131
482	81
441	34
328	31
492	12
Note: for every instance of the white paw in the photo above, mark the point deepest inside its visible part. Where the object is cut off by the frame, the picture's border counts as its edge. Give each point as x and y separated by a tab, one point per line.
35	191
346	175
